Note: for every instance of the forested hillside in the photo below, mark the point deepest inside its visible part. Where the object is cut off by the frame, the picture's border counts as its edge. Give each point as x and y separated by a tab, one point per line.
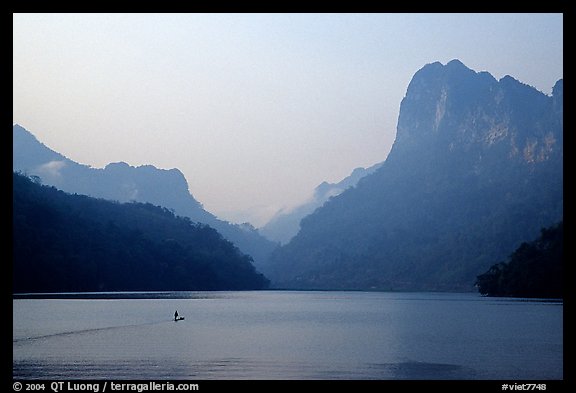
65	242
125	183
535	269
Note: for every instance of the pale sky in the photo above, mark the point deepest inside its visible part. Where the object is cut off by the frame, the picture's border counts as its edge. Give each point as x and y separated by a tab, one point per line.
255	109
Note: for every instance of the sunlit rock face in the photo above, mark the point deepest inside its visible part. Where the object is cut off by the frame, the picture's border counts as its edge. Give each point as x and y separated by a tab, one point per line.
475	170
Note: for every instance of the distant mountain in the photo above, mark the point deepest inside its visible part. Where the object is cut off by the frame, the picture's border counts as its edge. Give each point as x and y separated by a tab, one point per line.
286	224
476	168
74	243
122	182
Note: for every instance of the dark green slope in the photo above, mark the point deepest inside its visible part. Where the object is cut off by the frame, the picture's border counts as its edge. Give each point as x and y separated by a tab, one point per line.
534	269
64	242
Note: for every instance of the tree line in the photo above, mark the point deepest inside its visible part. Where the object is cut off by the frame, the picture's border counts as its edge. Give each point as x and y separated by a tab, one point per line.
533	270
73	243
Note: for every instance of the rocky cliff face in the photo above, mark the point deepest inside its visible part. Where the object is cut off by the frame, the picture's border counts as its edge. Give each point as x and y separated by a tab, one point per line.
476	169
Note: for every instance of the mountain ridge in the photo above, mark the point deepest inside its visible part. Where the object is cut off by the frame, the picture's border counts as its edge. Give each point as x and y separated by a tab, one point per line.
476	168
68	242
286	224
122	182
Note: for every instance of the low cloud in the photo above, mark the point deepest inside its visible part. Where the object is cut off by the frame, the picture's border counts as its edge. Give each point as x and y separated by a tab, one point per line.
129	191
52	169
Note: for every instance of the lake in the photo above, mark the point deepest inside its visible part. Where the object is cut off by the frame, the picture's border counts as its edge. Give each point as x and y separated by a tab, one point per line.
286	335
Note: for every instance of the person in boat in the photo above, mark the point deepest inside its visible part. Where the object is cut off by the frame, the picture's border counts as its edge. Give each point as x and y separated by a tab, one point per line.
176	315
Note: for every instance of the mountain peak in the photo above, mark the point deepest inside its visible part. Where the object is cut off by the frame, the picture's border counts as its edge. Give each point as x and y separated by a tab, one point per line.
122	166
476	168
29	152
433	81
437	69
119	164
558	89
122	182
456	64
508	79
452	108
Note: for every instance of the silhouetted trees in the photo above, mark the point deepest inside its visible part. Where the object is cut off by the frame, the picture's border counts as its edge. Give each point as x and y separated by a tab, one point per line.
64	243
533	270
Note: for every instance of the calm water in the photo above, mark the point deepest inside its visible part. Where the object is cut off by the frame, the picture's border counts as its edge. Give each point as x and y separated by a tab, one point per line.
288	335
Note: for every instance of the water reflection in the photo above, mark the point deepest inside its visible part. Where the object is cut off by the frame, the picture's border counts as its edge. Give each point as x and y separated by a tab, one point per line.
287	335
240	368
